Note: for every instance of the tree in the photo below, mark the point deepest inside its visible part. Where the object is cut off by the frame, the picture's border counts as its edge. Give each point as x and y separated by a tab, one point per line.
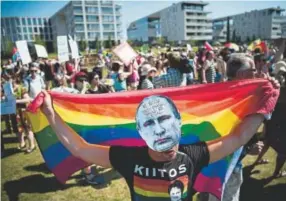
253	37
8	45
38	40
193	43
108	43
233	36
247	39
130	42
160	41
238	39
96	43
82	45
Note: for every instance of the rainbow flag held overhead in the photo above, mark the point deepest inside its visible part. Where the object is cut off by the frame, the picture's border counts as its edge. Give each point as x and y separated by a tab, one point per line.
208	112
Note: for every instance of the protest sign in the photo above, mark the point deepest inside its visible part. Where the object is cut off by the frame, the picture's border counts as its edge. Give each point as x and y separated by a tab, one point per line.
22	47
125	52
8	106
63	49
41	51
74	49
189	48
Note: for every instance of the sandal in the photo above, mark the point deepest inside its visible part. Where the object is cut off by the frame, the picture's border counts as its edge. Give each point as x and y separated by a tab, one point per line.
31	150
21	147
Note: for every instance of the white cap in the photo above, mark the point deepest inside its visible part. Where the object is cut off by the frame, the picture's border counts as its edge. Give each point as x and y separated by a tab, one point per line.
146	68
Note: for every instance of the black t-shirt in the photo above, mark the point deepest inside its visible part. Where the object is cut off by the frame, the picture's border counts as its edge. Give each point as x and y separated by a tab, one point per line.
101	89
160	181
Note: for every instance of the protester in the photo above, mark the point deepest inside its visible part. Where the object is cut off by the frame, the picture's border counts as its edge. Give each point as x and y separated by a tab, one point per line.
208	70
148	73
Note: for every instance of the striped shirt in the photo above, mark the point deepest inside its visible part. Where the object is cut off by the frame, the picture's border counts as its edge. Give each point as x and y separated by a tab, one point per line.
147	84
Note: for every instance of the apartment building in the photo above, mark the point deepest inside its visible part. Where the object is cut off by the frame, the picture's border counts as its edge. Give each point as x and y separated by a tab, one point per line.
264	24
25	28
180	22
89	21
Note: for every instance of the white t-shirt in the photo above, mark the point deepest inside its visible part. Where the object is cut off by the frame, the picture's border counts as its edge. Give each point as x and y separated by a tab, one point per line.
34	86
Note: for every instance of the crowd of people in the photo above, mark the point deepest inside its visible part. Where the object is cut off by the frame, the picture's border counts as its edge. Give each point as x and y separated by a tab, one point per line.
147	71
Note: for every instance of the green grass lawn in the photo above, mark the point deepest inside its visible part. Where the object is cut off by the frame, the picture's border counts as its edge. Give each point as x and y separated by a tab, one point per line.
25	177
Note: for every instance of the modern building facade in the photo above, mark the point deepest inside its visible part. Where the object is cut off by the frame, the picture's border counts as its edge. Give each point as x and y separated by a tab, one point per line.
25	28
264	24
89	21
181	21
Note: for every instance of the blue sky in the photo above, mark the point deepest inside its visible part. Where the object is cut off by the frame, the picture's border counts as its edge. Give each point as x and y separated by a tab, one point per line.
132	10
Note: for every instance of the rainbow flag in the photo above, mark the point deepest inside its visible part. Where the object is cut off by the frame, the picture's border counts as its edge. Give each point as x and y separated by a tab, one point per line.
208	112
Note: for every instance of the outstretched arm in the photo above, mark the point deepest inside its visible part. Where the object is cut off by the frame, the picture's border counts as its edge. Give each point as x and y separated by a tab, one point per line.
224	146
90	153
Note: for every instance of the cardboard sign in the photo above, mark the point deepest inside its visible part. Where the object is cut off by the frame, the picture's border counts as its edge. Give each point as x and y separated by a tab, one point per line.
125	52
23	50
41	51
63	49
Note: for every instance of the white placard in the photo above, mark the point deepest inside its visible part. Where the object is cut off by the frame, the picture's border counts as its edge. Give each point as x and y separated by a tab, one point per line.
23	50
125	52
74	49
41	51
189	48
63	49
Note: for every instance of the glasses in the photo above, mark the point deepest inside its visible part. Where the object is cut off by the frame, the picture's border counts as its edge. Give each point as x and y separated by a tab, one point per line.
33	71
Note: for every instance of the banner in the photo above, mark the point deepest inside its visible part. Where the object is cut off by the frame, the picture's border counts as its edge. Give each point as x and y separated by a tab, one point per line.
63	49
125	53
23	50
41	51
207	112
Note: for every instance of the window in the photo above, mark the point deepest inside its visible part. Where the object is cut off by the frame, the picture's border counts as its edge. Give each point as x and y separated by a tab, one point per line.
79	27
39	21
29	21
17	21
19	30
107	10
46	37
41	30
77	9
45	21
274	28
34	21
23	21
107	18
91	18
79	35
35	30
20	37
30	30
91	10
93	27
78	19
92	35
26	37
108	27
25	29
46	30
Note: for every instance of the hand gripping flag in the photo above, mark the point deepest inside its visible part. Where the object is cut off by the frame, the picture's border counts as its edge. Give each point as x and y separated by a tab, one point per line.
208	112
